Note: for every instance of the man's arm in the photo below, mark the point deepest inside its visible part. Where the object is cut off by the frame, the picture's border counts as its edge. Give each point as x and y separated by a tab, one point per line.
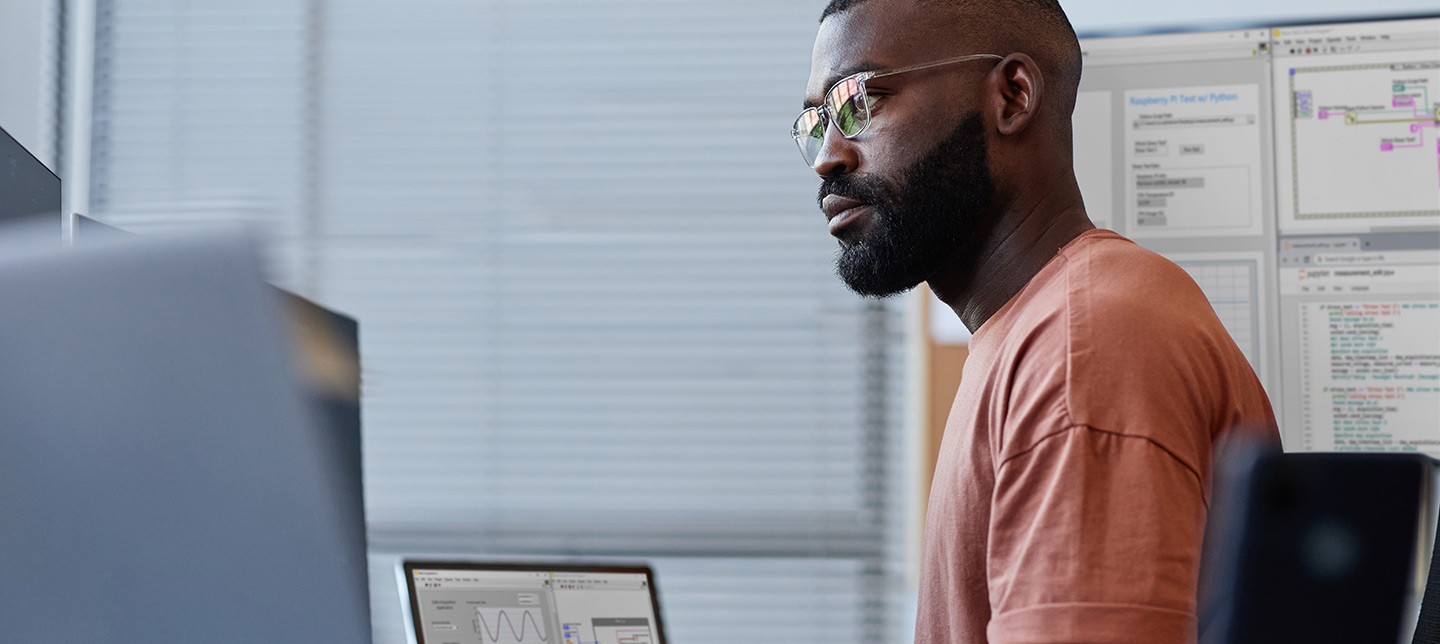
1095	536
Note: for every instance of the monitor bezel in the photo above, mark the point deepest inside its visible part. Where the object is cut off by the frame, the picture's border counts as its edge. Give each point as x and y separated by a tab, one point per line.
408	567
1221	26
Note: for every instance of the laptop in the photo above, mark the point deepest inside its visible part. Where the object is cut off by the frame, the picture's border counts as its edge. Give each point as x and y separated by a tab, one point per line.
161	477
554	603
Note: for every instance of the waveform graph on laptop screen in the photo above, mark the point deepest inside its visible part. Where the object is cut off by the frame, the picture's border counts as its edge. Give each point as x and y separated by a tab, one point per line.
510	625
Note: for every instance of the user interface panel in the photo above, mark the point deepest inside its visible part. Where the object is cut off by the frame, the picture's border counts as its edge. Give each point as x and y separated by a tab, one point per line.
1294	172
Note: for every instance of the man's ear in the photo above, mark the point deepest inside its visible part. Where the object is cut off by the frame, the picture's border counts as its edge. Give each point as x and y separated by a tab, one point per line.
1016	87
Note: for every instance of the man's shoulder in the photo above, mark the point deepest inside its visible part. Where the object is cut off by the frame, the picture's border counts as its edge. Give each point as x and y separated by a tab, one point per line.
1123	340
1105	288
1117	289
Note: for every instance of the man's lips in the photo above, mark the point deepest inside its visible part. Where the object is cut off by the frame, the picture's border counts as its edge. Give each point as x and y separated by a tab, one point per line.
842	212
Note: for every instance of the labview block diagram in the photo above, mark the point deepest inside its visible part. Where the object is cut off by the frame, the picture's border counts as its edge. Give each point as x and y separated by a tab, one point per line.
1364	140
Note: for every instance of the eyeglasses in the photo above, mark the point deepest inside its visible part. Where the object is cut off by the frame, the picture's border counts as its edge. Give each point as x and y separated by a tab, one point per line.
848	105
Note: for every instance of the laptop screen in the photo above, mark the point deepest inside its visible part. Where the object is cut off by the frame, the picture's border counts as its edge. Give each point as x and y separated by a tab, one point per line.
471	603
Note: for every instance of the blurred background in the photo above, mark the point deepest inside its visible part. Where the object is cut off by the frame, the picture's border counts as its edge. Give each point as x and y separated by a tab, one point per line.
595	297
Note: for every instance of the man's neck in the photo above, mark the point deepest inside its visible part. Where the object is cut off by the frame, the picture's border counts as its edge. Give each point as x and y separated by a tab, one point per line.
1030	233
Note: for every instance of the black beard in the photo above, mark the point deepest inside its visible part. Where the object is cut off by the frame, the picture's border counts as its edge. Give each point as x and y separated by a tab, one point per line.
938	210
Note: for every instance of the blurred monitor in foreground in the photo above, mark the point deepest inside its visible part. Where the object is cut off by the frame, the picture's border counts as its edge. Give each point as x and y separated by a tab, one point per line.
163	480
326	349
28	189
29	200
1317	548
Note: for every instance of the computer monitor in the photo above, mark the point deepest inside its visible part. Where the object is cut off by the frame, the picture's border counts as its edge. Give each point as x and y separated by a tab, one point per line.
28	189
1294	172
325	346
162	478
1314	547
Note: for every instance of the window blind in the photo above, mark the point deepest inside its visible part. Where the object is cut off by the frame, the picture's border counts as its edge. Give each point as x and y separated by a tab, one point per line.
595	296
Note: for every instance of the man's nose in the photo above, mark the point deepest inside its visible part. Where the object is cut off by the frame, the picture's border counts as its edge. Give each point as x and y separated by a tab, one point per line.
837	156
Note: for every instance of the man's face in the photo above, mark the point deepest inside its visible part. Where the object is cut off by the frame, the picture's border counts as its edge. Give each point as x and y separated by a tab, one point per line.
932	210
913	191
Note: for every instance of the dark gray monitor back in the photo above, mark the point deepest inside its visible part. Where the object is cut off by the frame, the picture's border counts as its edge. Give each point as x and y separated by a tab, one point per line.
1315	547
327	348
160	479
28	189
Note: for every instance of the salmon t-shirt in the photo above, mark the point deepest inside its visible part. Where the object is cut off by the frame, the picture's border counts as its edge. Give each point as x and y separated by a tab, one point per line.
1073	481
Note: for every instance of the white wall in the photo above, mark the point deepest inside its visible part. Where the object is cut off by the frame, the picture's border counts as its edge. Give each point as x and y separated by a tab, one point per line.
27	90
1129	15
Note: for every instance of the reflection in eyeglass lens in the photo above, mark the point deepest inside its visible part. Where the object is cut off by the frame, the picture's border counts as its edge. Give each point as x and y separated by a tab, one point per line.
809	124
848	114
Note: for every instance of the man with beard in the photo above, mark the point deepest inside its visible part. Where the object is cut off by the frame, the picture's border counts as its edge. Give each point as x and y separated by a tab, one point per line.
1073	481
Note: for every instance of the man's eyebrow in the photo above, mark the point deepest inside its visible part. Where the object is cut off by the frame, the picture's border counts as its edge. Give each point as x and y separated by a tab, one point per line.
849	70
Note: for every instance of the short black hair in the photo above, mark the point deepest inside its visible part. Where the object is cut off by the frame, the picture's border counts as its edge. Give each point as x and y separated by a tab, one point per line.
1041	25
1050	8
838	6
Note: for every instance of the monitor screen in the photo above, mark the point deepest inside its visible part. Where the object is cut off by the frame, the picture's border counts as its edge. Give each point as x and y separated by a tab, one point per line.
1294	172
455	602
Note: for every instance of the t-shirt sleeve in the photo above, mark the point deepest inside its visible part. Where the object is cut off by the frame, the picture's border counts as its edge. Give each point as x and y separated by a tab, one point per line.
1094	537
